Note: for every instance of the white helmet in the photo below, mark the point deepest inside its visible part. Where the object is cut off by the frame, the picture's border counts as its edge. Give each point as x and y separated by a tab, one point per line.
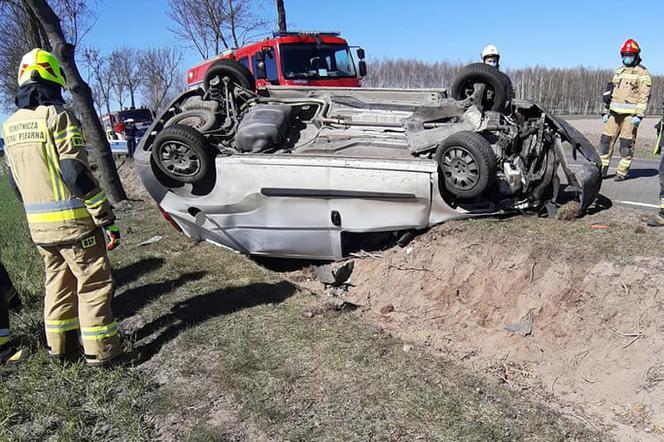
490	51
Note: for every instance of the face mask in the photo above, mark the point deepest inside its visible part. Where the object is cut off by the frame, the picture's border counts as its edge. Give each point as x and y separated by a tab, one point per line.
628	60
492	62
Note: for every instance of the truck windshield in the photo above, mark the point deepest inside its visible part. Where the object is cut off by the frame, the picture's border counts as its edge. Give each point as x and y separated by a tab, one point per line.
309	60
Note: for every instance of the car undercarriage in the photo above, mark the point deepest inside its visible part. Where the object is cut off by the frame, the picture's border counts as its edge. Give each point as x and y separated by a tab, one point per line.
293	171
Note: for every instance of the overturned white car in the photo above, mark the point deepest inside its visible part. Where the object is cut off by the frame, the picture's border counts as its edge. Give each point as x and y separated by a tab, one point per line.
305	172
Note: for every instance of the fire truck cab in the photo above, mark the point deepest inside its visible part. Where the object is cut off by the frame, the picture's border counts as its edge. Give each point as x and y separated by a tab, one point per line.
294	59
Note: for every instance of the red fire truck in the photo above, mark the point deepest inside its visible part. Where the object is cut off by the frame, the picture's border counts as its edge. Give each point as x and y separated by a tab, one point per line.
294	59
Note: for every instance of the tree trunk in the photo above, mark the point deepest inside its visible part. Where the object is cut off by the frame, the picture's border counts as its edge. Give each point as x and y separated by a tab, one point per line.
281	15
82	99
131	97
231	16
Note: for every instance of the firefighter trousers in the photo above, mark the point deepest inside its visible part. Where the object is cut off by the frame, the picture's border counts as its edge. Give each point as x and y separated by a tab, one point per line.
6	291
79	290
619	127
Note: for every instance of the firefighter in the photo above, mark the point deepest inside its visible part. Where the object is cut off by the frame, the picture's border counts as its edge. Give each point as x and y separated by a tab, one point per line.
627	97
658	220
67	212
491	56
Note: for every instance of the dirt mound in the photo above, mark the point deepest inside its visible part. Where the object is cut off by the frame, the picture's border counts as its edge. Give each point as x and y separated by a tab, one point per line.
577	327
130	180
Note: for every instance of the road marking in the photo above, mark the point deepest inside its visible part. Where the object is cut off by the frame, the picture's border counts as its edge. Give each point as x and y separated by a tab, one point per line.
634	203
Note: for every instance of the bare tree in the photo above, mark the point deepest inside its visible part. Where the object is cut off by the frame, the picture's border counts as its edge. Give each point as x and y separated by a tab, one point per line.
281	15
82	97
100	78
126	68
162	77
21	33
209	26
76	18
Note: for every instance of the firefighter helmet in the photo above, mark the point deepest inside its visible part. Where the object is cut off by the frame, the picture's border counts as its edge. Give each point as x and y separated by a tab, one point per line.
490	51
630	47
39	63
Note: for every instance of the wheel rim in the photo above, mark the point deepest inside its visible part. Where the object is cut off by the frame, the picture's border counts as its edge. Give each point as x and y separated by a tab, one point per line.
460	168
178	159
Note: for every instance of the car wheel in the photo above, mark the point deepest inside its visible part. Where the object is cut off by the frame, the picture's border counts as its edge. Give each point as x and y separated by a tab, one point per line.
495	95
182	154
200	119
237	73
467	164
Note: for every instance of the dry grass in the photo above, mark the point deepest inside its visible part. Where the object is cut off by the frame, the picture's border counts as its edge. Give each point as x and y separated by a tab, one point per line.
223	350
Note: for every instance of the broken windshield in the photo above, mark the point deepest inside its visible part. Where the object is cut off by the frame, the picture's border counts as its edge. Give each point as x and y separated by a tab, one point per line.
323	61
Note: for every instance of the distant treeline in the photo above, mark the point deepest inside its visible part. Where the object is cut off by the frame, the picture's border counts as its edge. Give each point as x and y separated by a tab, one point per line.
573	91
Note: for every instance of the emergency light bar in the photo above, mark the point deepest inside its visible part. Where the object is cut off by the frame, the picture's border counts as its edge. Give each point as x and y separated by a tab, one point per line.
289	33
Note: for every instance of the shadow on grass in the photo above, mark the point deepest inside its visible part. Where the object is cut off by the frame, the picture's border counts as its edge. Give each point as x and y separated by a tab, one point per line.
203	307
132	272
132	300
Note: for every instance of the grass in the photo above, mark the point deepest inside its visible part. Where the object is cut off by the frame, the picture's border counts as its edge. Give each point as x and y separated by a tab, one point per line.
621	235
225	350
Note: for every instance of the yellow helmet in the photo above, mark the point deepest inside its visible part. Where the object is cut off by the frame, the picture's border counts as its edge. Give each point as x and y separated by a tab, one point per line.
42	64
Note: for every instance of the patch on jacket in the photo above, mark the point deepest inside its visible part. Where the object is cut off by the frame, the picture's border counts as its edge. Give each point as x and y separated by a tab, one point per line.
28	131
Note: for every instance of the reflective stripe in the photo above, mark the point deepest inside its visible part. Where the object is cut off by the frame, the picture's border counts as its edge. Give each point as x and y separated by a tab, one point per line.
98	333
96	200
54	169
4	340
52	172
73	129
54	206
70	133
4	332
61	326
62	215
623	105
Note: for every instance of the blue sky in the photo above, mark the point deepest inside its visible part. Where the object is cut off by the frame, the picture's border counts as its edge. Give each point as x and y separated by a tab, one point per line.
564	34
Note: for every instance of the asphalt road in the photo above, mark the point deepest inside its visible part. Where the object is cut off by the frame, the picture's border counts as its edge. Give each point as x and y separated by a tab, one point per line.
640	190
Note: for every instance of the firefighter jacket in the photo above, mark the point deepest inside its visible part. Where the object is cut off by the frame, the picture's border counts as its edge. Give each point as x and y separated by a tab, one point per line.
46	154
631	91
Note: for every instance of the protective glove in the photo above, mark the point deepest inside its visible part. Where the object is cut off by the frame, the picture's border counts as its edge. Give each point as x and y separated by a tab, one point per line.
112	234
636	121
605	118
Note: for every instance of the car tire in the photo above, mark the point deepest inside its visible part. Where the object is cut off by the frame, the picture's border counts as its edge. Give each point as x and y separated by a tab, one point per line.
462	86
182	154
202	120
466	163
238	74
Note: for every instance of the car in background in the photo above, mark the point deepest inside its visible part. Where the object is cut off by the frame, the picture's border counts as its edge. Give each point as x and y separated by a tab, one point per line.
114	123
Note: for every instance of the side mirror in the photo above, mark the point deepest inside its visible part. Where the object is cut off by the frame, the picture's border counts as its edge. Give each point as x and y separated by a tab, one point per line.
260	70
360	53
363	68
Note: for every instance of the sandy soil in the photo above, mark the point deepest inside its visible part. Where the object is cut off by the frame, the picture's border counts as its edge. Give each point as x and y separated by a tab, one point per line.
597	340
